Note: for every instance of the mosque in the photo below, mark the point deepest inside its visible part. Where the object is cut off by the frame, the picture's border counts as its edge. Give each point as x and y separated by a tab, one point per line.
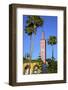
35	67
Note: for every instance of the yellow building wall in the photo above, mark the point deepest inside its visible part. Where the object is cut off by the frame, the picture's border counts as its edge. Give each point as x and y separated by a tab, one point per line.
32	66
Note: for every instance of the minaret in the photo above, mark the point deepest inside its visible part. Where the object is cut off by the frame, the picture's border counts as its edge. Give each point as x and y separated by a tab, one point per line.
43	48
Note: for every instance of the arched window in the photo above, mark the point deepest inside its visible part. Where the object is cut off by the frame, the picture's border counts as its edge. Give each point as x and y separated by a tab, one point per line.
27	69
36	69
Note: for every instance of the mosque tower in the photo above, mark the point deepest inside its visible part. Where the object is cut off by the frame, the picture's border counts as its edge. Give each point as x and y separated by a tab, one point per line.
43	48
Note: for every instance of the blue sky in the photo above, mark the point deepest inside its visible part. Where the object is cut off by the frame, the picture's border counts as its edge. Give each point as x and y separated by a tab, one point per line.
50	29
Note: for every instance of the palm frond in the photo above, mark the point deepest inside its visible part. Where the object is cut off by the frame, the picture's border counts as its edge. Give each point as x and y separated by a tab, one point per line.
52	40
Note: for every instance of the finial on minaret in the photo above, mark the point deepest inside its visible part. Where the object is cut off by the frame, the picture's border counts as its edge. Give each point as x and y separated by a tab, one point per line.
43	36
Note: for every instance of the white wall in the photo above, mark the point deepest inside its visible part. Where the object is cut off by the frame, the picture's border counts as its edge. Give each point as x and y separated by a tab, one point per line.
4	47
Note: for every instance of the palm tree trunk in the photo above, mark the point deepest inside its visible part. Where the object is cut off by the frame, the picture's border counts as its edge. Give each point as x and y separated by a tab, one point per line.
33	43
30	52
31	49
52	53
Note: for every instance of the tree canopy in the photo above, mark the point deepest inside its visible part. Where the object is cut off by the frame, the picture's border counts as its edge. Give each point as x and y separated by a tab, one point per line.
32	23
52	40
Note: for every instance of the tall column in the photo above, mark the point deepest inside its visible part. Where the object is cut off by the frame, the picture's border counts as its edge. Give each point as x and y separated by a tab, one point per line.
43	48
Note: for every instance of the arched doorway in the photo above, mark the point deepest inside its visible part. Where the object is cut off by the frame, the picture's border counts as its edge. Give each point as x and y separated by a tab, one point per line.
36	69
27	69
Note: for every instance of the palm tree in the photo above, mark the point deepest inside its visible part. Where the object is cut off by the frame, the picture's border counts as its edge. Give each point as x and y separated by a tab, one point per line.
52	41
32	23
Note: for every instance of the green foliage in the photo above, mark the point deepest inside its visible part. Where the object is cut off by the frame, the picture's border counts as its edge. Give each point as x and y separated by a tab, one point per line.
29	30
52	40
32	23
52	67
36	20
